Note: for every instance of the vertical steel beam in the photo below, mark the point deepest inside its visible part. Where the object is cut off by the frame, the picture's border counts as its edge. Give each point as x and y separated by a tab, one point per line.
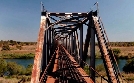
87	40
72	44
44	57
92	51
50	39
81	44
47	46
38	52
77	47
69	44
66	42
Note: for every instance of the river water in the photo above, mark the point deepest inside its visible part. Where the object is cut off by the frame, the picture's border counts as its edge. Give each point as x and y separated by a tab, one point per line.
26	62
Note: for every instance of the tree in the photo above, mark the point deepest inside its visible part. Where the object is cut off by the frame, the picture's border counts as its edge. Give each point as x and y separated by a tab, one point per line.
129	66
12	42
3	66
5	47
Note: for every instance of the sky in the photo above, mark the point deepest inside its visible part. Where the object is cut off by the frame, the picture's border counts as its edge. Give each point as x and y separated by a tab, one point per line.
20	19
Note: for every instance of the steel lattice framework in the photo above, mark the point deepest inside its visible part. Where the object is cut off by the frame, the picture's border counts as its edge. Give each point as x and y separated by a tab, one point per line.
60	55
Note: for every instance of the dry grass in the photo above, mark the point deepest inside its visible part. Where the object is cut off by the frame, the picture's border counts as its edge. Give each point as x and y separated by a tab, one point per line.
16	79
11	80
125	51
129	78
25	50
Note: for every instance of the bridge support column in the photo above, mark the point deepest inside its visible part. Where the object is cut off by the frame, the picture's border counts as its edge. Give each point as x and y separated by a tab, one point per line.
69	44
38	53
87	41
66	42
81	45
72	44
92	51
48	38
77	46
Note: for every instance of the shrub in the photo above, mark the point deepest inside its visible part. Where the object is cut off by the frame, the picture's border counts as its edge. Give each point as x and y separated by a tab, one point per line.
129	66
15	69
5	47
100	67
19	47
86	68
116	52
3	65
29	69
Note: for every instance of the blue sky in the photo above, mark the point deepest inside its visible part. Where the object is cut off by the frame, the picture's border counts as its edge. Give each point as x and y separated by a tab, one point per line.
20	19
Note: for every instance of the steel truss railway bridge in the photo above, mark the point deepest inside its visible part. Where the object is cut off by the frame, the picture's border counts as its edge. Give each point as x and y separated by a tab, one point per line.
61	55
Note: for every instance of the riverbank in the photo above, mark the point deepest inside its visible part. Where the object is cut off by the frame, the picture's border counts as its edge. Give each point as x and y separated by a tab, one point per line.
17	56
125	52
28	51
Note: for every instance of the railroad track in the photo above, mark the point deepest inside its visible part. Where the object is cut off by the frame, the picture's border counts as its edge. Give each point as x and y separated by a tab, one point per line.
65	69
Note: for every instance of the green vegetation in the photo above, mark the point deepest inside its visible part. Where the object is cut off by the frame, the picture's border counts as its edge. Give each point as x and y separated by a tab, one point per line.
3	67
129	66
100	68
17	56
116	52
5	47
120	44
12	43
29	69
86	68
128	77
13	68
17	49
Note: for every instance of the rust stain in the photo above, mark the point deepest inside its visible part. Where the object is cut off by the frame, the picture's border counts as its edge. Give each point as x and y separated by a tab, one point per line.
38	52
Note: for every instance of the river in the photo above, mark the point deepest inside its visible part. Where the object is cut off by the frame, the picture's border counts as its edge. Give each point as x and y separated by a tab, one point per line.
25	62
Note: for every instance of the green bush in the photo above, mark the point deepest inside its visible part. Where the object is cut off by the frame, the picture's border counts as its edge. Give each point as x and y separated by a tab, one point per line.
129	66
3	66
15	69
29	69
18	56
86	69
116	52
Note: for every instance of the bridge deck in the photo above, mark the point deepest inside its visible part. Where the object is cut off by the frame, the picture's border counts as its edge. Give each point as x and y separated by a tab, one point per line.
66	69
